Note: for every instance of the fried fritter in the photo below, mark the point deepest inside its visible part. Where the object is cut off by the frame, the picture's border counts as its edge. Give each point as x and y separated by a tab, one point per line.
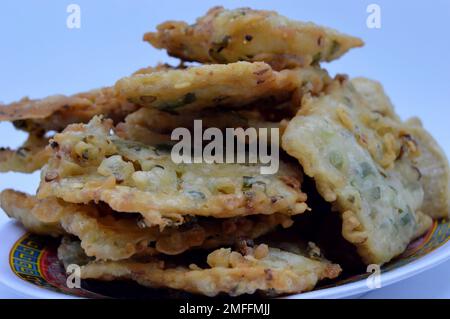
19	205
375	97
430	160
89	164
432	164
40	116
263	269
225	36
352	152
107	235
152	127
221	86
31	156
54	113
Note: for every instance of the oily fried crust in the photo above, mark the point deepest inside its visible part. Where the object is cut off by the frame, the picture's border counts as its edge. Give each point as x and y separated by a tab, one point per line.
89	164
432	163
31	156
55	112
204	86
430	160
377	100
114	238
39	109
19	205
363	163
214	233
39	117
154	127
225	36
264	269
220	86
107	235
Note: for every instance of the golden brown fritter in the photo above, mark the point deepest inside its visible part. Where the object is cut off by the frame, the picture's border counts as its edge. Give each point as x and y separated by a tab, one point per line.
19	205
432	164
31	156
263	269
41	117
174	90
221	86
54	113
90	165
226	36
152	127
430	160
353	154
108	235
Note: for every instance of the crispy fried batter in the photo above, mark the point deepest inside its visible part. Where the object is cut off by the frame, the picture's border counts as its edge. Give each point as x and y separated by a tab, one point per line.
230	85
153	127
224	36
432	165
19	205
430	161
209	233
54	113
91	165
375	97
265	269
353	153
31	156
107	235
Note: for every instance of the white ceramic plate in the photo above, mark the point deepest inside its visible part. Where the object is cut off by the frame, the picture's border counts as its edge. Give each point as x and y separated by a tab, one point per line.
12	231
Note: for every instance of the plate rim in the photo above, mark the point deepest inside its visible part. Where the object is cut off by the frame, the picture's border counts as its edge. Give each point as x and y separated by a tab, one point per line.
415	267
12	231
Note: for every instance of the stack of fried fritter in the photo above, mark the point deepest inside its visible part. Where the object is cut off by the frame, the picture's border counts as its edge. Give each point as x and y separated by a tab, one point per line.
125	210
